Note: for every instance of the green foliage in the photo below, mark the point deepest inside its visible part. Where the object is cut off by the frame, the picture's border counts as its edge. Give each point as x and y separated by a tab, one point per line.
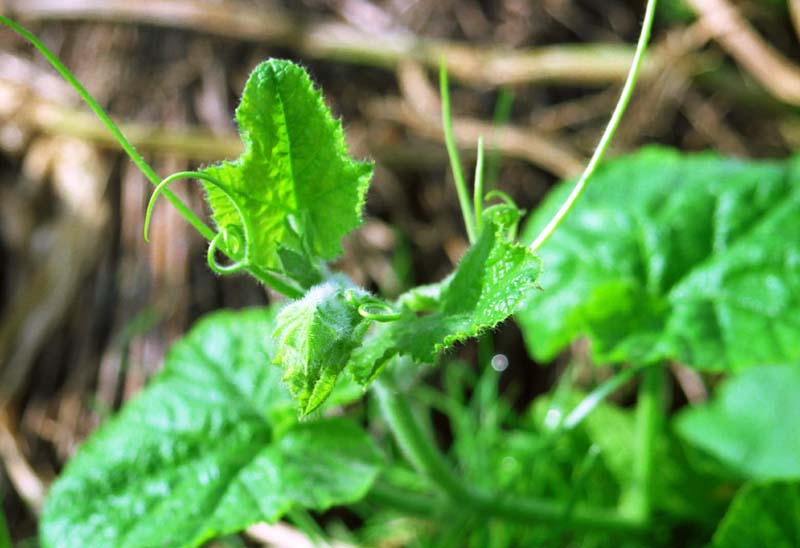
295	182
676	257
762	514
208	448
484	290
750	422
682	492
666	257
315	337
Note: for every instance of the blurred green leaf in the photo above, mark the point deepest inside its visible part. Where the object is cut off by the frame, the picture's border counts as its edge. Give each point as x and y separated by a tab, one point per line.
668	256
749	424
762	514
210	447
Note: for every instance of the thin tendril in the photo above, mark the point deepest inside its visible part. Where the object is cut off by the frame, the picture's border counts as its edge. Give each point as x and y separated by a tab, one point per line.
608	134
137	158
287	288
378	311
223	235
452	152
371	308
502	196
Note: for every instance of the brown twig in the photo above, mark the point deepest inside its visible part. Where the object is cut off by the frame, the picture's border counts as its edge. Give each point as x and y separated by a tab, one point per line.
767	65
281	535
27	484
486	66
59	119
511	141
420	111
794	13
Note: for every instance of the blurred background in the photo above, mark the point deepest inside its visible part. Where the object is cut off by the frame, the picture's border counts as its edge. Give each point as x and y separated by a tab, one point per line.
87	308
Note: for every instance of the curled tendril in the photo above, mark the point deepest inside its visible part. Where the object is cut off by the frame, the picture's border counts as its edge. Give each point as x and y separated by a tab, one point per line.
378	311
502	196
372	308
234	242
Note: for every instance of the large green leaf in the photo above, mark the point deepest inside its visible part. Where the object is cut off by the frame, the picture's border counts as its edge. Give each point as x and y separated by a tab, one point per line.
208	448
762	514
315	337
490	281
751	423
295	181
668	256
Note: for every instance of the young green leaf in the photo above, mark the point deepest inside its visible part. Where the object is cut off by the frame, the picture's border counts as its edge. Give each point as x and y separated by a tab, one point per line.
745	425
691	258
762	514
488	284
294	181
315	337
210	447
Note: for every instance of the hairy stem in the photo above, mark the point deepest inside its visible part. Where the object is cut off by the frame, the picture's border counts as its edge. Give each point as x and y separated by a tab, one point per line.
608	134
428	460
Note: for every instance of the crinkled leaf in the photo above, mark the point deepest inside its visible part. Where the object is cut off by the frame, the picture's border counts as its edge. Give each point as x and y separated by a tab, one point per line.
762	514
316	336
488	284
750	423
210	447
668	256
295	181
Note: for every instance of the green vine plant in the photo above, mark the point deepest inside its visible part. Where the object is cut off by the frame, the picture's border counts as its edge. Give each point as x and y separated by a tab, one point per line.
236	429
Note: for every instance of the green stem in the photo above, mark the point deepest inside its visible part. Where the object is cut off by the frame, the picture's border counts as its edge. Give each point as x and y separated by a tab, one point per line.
477	194
428	460
608	134
452	152
267	278
649	421
385	494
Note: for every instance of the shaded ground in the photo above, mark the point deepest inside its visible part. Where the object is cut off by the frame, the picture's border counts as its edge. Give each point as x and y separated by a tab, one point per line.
87	308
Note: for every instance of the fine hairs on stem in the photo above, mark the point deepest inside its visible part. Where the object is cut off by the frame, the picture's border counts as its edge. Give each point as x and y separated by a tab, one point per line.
608	134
